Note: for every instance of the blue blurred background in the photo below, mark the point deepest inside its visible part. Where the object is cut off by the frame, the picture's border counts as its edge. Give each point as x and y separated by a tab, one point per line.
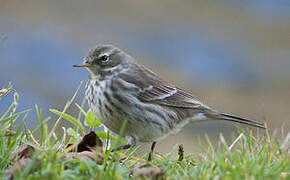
233	55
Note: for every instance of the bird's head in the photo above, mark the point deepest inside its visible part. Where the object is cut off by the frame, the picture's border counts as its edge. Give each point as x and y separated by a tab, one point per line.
105	60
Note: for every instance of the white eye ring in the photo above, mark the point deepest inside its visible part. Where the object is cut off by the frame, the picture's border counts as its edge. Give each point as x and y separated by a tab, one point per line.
104	58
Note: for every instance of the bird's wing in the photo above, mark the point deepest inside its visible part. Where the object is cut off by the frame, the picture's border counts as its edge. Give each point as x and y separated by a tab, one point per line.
166	95
152	89
155	90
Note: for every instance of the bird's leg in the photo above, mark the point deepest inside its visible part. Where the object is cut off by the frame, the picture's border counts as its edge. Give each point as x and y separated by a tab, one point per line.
151	151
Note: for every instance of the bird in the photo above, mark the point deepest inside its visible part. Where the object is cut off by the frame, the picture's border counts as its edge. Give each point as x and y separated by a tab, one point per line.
120	90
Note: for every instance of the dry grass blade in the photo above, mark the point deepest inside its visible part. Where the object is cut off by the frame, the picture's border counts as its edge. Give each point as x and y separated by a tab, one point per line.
235	141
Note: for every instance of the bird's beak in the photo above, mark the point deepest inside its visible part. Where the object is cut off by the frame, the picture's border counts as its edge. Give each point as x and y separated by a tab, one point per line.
82	65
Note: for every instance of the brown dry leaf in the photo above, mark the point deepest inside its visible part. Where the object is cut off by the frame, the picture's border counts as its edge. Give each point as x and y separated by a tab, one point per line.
78	155
90	142
146	171
20	165
24	152
87	147
23	156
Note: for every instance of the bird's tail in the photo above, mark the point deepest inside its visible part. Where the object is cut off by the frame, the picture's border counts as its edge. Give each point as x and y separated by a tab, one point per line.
228	117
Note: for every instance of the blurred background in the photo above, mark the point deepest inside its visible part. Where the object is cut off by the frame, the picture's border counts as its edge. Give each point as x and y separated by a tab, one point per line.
233	55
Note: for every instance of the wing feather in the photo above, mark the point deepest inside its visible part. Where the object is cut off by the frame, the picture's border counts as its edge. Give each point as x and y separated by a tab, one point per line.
155	90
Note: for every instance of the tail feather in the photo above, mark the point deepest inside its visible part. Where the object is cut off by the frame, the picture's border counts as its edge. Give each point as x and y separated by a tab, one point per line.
228	117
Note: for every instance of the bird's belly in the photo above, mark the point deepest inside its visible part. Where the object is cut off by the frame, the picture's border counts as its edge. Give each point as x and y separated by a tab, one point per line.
142	126
138	128
145	122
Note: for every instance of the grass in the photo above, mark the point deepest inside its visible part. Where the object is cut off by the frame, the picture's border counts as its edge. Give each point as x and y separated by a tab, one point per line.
247	157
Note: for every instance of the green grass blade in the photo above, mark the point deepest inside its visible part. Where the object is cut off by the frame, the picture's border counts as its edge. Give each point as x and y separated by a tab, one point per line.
91	120
14	116
69	118
81	109
104	135
40	123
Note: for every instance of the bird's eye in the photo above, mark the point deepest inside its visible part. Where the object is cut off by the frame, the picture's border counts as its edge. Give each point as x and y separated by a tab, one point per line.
104	58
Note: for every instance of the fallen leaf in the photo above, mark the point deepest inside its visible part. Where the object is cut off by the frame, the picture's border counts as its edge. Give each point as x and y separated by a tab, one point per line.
91	155
90	146
146	171
20	166
24	152
23	158
90	142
